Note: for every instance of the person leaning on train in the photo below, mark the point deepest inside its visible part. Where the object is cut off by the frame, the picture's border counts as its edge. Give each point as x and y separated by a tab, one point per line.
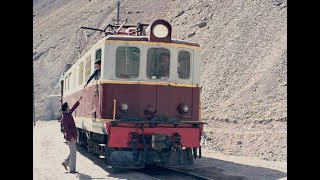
96	72
70	132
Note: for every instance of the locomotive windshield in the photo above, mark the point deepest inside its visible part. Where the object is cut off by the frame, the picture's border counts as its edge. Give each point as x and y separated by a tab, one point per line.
184	64
158	63
127	62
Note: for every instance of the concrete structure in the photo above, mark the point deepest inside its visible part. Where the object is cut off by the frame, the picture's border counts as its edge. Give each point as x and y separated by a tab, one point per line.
52	103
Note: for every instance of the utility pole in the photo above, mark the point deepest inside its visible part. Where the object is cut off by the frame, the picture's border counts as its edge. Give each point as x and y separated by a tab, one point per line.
118	12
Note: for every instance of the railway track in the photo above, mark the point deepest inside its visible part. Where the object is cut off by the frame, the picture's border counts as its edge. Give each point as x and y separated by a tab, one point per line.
154	172
165	173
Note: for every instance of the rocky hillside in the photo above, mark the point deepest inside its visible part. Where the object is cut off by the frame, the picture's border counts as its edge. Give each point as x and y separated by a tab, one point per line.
244	54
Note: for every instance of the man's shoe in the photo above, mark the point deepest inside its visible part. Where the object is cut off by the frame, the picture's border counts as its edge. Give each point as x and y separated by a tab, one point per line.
65	166
73	172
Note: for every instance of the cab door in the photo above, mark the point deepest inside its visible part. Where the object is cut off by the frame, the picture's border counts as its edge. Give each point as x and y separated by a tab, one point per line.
97	88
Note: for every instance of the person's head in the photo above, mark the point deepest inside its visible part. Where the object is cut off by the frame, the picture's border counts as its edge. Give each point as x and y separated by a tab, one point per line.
65	107
164	58
97	64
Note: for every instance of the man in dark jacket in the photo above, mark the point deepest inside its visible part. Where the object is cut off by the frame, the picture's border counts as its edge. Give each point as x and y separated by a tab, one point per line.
96	72
70	131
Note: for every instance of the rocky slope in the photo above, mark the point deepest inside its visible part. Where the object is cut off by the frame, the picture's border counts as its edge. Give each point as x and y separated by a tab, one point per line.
244	55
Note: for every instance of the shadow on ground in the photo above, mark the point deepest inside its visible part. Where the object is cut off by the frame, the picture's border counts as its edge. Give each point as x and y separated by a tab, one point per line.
226	170
113	173
206	167
82	176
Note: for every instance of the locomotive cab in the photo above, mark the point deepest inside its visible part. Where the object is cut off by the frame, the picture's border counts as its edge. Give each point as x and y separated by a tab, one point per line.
145	106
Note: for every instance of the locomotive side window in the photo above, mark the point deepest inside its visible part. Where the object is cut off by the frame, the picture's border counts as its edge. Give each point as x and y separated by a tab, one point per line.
184	65
127	62
81	73
98	54
158	63
88	68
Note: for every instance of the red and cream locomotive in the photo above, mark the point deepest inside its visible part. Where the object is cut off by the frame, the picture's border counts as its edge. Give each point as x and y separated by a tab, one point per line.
144	108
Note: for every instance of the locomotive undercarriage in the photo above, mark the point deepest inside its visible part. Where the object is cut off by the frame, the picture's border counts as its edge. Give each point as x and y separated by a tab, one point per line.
145	150
91	141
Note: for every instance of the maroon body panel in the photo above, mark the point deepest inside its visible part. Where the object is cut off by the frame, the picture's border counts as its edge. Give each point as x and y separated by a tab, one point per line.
89	103
165	99
98	100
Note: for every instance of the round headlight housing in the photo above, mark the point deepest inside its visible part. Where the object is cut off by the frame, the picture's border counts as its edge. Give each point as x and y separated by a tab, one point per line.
160	31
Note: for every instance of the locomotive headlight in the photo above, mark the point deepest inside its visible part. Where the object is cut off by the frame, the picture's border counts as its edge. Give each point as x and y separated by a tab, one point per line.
183	108
124	107
160	31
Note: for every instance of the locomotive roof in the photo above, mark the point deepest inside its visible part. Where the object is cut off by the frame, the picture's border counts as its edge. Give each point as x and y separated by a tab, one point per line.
145	38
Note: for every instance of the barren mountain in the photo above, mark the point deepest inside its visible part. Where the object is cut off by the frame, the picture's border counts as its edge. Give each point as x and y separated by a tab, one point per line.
244	60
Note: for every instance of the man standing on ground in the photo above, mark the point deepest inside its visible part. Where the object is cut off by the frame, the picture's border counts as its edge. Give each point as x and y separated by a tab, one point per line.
70	131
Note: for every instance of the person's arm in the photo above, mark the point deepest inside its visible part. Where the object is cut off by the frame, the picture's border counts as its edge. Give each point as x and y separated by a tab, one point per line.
74	107
92	76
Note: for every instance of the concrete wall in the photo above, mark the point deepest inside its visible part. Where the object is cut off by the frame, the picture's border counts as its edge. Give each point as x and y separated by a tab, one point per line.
52	104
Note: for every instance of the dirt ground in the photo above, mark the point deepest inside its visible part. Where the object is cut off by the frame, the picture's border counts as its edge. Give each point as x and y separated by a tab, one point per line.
49	150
